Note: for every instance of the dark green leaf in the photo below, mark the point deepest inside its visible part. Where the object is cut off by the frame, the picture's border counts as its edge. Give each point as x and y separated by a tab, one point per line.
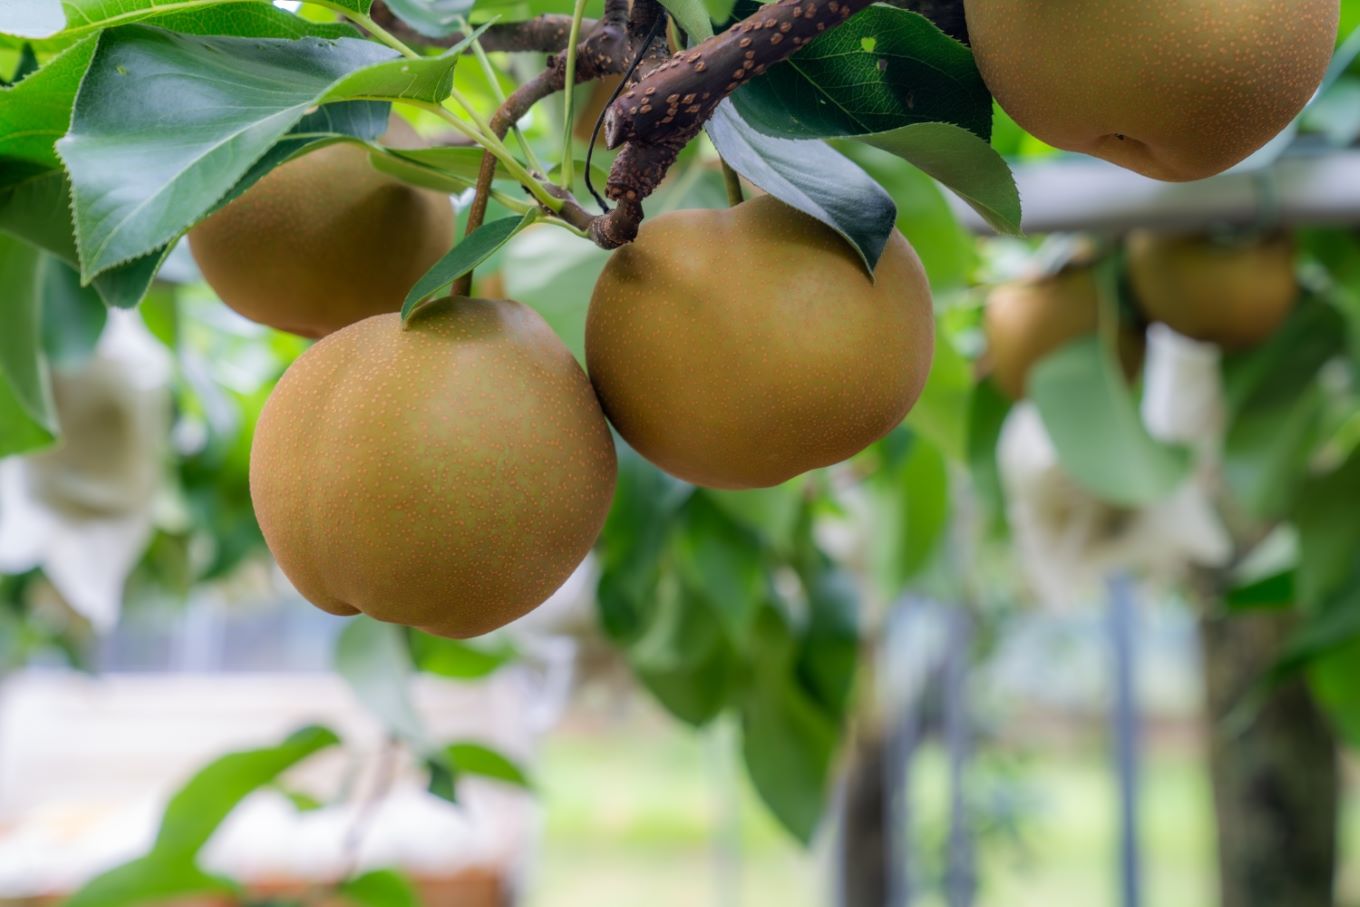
165	124
1266	451
684	657
27	65
38	211
962	163
912	512
26	414
198	808
1269	592
723	561
475	759
380	888
811	177
1329	533
37	111
884	69
149	880
1275	373
1335	682
72	316
466	255
1096	428
828	652
787	744
644	514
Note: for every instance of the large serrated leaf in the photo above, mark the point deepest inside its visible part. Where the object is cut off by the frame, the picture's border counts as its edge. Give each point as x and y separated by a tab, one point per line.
962	163
257	18
166	124
811	177
883	69
37	111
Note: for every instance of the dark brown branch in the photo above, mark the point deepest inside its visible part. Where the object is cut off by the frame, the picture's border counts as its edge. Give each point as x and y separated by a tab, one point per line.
603	51
543	34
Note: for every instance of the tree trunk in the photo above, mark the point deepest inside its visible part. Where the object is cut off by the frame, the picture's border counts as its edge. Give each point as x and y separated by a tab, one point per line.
1275	771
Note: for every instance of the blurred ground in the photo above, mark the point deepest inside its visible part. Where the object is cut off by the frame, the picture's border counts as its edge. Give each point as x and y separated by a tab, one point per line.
634	806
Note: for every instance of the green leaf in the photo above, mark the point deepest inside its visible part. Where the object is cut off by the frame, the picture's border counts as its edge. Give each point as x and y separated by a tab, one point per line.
456	658
787	744
723	561
641	521
883	69
811	177
463	257
150	880
1335	682
987	411
32	18
1095	426
38	211
37	111
432	18
1266	452
166	124
961	162
828	652
27	419
941	412
684	658
1269	592
475	759
380	888
374	660
417	172
72	316
255	18
771	512
692	16
1329	533
912	511
1275	373
198	808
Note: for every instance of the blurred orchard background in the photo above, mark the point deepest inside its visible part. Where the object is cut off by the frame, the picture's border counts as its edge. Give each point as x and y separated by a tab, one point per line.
1001	658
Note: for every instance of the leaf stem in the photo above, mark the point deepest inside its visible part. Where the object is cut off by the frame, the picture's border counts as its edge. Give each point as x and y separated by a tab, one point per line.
374	29
732	183
491	77
567	175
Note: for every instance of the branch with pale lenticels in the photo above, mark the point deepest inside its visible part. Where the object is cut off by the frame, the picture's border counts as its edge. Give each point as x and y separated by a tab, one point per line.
668	98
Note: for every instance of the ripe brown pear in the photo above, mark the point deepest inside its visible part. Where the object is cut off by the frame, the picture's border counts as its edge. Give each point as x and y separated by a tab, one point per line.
1233	294
1173	89
448	475
324	240
737	348
1027	320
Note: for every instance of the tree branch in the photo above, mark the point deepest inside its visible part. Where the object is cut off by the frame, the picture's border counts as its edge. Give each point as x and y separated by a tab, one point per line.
542	34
